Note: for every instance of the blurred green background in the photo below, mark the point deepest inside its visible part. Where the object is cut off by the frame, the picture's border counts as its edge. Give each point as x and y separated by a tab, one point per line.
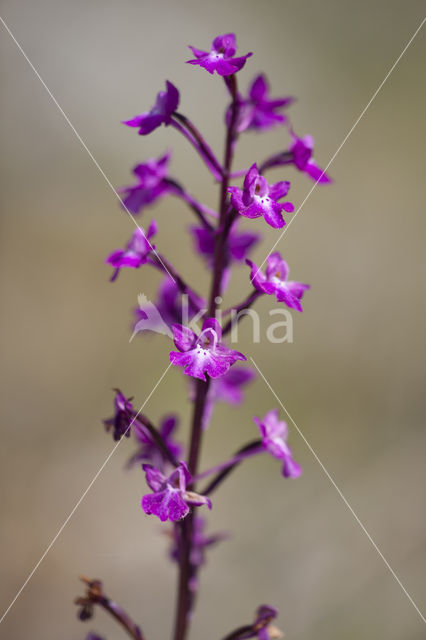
353	379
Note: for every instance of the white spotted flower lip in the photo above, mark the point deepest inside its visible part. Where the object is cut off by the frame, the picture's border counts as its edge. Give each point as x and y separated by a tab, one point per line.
258	198
220	58
203	354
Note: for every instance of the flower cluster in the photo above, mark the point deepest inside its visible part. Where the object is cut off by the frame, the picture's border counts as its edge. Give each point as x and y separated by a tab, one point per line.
217	372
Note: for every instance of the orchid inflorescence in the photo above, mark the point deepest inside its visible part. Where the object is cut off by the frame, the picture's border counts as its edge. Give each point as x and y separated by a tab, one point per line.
171	471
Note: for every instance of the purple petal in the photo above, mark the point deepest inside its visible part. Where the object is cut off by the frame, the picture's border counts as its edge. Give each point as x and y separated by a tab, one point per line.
172	100
250	177
317	174
259	88
241	243
149	123
191	365
256	276
291	469
136	121
225	43
272	215
198	53
279	190
277	266
236	198
297	289
240	62
184	338
226	67
212	323
284	295
254	210
154	478
167	505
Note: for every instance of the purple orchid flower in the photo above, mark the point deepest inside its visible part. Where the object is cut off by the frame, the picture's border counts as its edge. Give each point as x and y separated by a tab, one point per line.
258	112
136	252
123	416
151	184
93	636
239	243
148	449
220	58
202	354
165	105
274	434
170	499
275	281
258	198
302	151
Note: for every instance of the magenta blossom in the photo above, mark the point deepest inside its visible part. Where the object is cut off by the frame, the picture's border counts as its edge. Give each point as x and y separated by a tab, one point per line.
220	58
258	112
151	184
274	434
170	499
275	281
302	151
166	103
258	198
203	354
136	252
123	417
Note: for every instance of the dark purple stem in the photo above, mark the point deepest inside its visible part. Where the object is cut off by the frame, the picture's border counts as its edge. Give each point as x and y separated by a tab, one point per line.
199	209
277	160
96	596
182	124
250	449
160	262
240	633
184	599
235	311
224	224
158	440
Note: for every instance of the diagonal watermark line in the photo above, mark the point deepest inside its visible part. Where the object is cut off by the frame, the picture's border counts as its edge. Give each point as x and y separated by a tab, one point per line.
340	494
86	148
351	130
80	500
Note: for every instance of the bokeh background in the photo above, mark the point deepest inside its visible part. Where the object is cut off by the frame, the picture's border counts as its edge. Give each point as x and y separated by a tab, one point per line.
353	379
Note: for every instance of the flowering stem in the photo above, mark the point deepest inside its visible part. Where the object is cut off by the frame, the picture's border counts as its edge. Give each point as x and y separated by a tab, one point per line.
278	160
240	633
158	440
235	311
199	209
96	596
251	449
191	133
202	388
160	262
224	228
